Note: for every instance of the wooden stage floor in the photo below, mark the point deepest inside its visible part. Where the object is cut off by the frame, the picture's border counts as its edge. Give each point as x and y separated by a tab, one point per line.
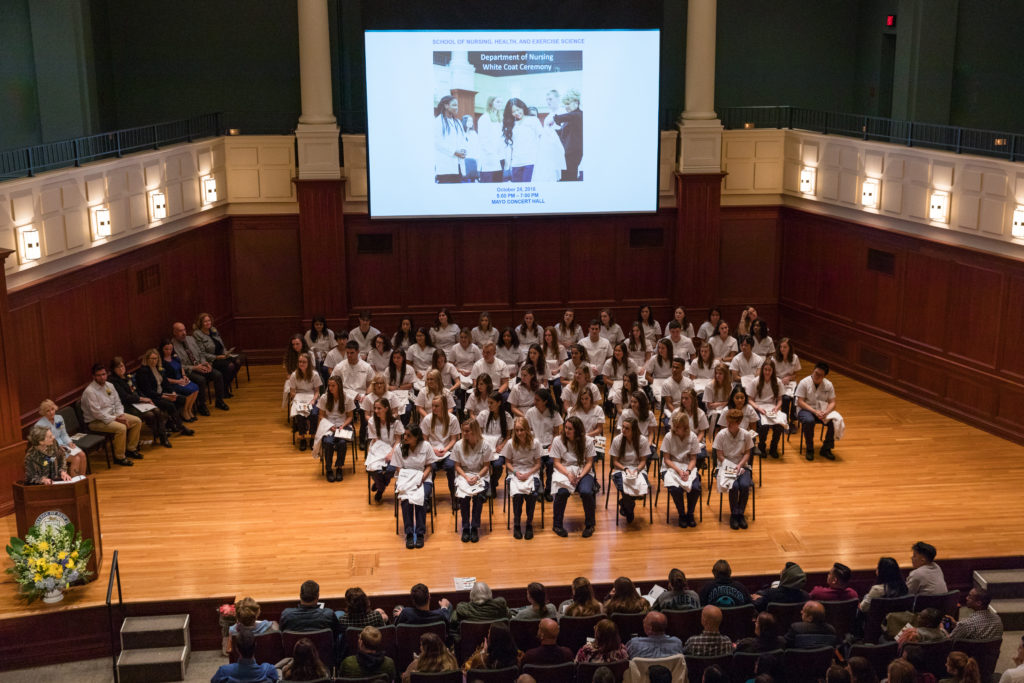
238	509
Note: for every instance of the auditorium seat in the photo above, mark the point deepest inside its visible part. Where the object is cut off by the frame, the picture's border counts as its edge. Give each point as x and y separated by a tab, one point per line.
323	639
574	631
785	613
841	614
738	622
877	612
585	670
552	673
806	666
879	655
683	623
630	625
946	603
524	633
471	634
744	663
506	675
407	640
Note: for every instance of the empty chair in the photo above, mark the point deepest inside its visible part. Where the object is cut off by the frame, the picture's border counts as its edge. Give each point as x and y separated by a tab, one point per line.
785	613
806	665
407	640
554	673
946	603
738	622
841	614
630	625
683	623
574	631
322	639
507	675
878	654
877	612
585	670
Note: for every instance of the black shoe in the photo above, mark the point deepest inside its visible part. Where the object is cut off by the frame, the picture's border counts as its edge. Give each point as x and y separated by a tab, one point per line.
588	531
302	444
809	454
793	428
165	442
339	474
547	496
517	533
733	522
409	543
528	534
134	455
690	520
774	452
465	535
379	496
228	394
683	523
330	476
221	405
560	531
123	462
742	521
474	535
419	541
185	431
203	410
827	454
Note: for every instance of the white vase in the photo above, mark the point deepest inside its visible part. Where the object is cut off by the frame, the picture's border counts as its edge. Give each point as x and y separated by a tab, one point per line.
56	595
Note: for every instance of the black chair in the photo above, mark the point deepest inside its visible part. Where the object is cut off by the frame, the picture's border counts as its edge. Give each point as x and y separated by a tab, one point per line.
695	665
89	442
585	670
841	614
323	639
552	673
985	652
506	675
574	631
807	666
630	625
879	655
745	663
441	677
407	640
457	516
471	634
683	623
738	622
269	648
880	607
379	678
524	633
506	505
668	499
785	613
946	603
933	656
431	509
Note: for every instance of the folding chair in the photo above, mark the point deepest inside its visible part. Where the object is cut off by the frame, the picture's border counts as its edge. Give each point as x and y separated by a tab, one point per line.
507	506
669	503
946	603
985	652
88	442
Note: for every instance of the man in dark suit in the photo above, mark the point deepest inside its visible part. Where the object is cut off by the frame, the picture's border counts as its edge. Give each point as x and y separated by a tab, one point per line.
309	616
420	612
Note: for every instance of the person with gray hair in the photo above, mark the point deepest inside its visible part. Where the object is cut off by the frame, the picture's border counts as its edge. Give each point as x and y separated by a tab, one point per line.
481	606
44	460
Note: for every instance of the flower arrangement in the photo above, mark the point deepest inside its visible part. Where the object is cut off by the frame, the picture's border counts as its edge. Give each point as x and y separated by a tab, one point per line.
50	559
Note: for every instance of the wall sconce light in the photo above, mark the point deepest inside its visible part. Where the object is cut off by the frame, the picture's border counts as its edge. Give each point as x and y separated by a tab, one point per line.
101	222
209	190
1017	228
869	193
749	125
31	249
938	207
807	177
157	205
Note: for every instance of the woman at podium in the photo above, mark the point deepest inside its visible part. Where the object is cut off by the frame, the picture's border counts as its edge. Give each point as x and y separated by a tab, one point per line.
44	460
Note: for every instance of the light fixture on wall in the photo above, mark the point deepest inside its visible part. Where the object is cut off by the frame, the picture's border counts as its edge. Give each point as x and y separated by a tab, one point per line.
1017	227
30	246
101	222
807	177
869	193
209	190
938	207
157	205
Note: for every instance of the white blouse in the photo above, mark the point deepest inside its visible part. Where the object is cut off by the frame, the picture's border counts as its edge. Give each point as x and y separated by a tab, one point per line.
446	337
481	337
420	357
630	458
543	426
567	455
434	430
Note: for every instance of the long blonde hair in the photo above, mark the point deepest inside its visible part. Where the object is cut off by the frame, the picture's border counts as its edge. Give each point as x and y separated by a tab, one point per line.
528	433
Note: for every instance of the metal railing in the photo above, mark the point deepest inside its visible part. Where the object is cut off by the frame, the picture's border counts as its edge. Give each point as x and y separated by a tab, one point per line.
999	144
115	571
27	161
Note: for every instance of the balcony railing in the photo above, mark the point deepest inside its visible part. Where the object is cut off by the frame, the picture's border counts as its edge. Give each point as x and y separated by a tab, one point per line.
28	161
990	143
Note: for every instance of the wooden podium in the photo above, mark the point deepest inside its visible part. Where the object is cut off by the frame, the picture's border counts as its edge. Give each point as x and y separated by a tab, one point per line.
75	501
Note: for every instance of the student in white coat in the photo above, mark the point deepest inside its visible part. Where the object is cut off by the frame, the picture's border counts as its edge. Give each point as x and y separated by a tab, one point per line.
492	144
449	142
816	400
522	134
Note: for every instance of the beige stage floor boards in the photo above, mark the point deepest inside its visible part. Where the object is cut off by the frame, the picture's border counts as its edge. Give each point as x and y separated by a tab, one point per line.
238	509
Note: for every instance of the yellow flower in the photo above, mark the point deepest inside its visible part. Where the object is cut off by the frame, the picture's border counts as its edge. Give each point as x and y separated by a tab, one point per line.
74	555
37	577
54	569
62	555
71	565
43	545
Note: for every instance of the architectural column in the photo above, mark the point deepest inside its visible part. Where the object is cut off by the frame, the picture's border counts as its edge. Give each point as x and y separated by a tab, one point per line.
699	128
12	446
317	132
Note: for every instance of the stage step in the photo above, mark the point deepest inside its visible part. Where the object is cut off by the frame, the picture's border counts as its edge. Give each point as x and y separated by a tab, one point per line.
1011	613
153	665
1001	583
154	649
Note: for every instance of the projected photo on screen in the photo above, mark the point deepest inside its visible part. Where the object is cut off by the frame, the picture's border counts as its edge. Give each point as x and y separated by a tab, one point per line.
512	140
480	123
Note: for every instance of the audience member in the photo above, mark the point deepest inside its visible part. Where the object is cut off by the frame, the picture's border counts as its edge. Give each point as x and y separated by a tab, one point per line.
481	606
539	607
722	591
924	628
305	664
309	616
527	678
656	643
358	613
926	578
420	613
812	630
861	670
606	645
245	669
369	660
1016	674
981	624
679	595
624	598
890	583
766	636
498	651
73	455
790	588
210	343
709	643
583	603
712	674
549	652
247	615
198	365
103	412
130	397
901	671
837	674
602	675
433	657
962	668
837	585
